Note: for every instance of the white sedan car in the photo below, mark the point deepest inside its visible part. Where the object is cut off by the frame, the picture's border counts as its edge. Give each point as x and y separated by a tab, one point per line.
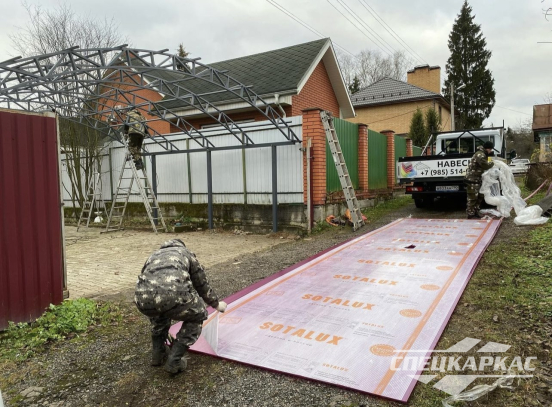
519	166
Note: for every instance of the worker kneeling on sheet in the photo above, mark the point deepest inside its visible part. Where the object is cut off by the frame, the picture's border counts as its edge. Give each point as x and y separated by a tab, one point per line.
479	163
173	286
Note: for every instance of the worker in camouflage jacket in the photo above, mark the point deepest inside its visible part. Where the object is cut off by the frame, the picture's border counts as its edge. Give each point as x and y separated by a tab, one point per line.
173	286
135	131
479	163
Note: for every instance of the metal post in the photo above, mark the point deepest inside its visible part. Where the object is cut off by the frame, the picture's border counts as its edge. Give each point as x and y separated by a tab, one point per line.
451	107
274	191
154	185
209	190
309	192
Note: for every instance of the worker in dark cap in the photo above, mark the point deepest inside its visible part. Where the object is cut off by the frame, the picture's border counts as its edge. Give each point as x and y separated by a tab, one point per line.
479	163
173	286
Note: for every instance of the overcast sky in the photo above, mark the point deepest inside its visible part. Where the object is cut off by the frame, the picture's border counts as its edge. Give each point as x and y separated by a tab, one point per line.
222	29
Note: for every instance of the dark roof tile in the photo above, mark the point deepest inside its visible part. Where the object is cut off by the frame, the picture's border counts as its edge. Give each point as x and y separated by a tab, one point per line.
388	90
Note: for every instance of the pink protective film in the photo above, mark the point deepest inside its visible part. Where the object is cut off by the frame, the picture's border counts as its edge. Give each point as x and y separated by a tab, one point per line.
350	315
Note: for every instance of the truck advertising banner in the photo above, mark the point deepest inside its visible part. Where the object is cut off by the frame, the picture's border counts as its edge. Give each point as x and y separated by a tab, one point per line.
353	315
446	167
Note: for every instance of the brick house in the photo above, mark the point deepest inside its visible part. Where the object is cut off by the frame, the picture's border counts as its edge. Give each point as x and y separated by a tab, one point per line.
290	79
390	103
542	130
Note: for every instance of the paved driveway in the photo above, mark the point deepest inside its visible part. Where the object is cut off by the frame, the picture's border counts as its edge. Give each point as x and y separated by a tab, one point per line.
106	264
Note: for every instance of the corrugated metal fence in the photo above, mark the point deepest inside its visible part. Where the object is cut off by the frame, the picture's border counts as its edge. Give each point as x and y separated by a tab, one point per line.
347	133
241	176
31	250
377	160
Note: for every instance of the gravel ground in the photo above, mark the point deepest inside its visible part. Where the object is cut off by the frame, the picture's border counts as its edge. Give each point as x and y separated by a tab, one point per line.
109	366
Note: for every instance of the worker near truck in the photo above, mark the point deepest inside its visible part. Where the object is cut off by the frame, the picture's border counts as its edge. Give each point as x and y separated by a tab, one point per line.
173	286
479	163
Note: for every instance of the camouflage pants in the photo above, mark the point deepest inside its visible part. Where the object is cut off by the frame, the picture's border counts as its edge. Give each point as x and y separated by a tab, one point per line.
474	198
135	141
192	322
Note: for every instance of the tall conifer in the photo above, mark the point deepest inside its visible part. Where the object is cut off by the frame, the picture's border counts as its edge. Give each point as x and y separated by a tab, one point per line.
467	65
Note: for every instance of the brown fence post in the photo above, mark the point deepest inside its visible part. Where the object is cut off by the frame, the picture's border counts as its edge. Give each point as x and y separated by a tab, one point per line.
409	149
313	129
362	157
390	134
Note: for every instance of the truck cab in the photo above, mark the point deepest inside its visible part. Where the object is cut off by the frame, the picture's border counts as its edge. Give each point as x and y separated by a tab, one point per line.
441	168
467	141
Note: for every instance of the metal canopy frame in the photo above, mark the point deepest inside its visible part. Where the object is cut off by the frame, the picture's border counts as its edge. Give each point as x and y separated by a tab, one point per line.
87	86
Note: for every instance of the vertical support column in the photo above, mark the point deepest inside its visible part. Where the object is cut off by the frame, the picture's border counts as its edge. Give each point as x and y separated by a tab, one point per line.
409	148
244	173
390	134
274	190
188	156
314	130
110	176
154	186
209	190
363	157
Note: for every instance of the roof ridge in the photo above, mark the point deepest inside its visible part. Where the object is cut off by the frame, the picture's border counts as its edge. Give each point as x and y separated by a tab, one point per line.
395	80
268	52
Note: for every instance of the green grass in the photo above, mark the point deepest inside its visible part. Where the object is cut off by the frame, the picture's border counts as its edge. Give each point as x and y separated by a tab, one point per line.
385	207
70	318
508	300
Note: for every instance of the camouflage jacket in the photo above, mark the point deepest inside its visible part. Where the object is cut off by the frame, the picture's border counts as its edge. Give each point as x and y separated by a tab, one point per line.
479	163
169	278
135	123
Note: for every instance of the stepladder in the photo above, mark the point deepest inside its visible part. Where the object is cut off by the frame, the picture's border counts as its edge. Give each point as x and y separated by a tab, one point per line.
133	181
342	172
94	203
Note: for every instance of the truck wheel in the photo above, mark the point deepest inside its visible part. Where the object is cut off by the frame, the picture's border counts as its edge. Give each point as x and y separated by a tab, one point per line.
419	202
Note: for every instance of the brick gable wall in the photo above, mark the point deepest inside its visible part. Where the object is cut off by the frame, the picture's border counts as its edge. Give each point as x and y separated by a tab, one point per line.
317	92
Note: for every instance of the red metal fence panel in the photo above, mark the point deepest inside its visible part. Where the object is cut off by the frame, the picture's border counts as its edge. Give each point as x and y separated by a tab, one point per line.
31	258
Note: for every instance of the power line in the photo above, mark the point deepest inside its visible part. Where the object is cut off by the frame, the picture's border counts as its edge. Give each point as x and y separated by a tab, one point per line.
354	25
291	15
402	114
512	110
366	27
382	22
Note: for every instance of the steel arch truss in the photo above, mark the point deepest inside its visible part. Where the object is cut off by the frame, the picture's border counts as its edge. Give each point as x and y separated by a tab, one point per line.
89	85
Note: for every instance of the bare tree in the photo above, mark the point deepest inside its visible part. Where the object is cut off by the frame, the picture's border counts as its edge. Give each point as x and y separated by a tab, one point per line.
54	30
50	31
547	11
348	66
370	66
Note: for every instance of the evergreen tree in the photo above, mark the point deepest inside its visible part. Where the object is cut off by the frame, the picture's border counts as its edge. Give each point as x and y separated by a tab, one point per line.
432	122
417	130
467	65
354	86
181	52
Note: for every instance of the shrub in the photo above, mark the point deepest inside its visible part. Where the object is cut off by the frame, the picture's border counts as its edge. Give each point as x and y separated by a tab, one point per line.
22	340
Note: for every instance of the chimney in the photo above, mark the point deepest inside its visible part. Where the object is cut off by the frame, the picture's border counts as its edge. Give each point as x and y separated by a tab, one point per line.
426	77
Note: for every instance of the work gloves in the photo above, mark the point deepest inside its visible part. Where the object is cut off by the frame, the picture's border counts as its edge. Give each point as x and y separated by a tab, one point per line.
221	307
